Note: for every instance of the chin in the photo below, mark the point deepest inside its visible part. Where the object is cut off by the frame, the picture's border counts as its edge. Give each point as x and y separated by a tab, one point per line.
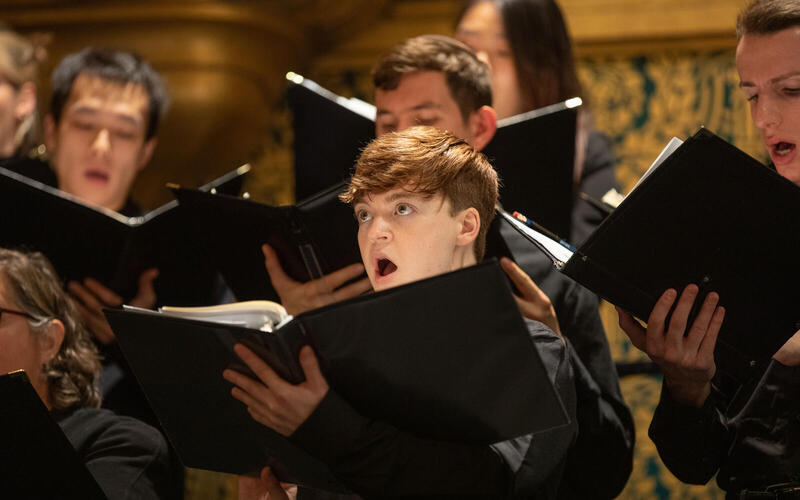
791	172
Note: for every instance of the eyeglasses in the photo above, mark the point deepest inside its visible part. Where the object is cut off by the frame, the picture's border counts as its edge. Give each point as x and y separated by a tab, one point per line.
18	313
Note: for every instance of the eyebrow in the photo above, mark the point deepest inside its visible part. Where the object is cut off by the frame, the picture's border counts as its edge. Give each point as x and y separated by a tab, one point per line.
772	80
418	107
395	197
426	105
407	194
86	110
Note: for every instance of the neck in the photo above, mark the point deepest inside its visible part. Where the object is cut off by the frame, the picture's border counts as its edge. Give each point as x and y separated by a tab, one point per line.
8	148
464	257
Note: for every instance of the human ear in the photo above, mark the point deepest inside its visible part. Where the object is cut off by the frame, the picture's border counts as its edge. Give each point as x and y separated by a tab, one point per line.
482	126
147	153
50	341
26	101
50	134
470	225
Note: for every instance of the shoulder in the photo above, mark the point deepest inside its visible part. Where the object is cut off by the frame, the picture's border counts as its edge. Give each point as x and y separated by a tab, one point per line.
32	168
128	458
599	153
552	350
93	428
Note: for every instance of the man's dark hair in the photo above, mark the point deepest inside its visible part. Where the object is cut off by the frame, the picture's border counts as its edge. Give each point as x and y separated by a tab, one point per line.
73	375
762	17
466	76
112	65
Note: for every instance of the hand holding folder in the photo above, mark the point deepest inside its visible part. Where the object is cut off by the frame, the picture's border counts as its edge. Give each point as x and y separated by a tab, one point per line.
708	214
683	350
448	358
311	240
82	240
91	297
298	297
532	301
274	402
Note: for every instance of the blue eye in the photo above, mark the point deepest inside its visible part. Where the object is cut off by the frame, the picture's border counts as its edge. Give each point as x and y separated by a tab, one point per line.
403	209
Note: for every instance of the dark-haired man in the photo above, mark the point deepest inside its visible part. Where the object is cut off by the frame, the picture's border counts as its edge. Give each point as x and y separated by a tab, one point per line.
100	133
105	108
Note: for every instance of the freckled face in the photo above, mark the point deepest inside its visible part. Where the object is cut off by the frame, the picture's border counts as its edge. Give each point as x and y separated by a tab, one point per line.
769	76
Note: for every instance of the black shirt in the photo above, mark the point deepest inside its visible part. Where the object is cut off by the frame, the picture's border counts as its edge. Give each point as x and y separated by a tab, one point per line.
750	439
601	461
32	168
128	459
380	461
597	178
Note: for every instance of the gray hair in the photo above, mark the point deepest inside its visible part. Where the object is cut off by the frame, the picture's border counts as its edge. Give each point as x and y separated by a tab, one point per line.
73	374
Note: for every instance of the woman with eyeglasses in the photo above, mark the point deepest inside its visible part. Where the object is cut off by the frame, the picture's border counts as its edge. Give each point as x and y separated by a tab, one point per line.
41	333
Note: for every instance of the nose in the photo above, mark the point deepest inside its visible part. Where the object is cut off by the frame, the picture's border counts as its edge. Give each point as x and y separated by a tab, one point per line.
766	113
102	142
379	231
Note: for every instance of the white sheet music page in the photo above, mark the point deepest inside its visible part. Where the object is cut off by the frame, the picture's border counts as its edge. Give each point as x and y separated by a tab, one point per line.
261	315
558	252
670	148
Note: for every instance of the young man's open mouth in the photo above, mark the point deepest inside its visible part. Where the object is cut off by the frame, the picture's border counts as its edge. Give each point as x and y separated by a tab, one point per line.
384	267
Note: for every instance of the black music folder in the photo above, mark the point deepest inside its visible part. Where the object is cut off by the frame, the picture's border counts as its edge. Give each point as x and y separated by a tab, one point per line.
534	155
446	358
534	152
82	240
315	237
329	133
708	214
37	460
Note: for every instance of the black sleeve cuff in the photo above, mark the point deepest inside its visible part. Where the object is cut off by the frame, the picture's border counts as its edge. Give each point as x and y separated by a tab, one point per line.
331	430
